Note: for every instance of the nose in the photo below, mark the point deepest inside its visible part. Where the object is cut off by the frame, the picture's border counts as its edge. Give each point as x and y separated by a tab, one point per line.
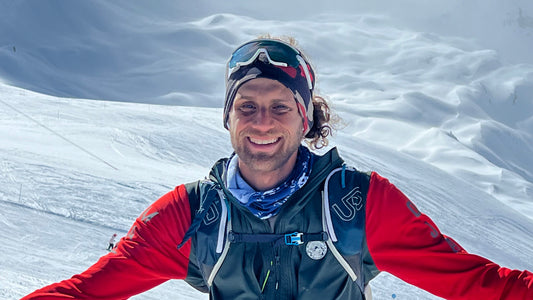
263	120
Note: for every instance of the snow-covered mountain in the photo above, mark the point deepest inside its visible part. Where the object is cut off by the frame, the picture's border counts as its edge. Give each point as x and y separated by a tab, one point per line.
105	106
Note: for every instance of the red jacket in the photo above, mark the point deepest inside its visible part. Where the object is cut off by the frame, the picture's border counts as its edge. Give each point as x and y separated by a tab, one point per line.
401	241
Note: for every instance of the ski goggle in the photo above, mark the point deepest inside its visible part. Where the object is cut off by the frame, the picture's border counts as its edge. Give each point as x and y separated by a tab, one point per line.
275	52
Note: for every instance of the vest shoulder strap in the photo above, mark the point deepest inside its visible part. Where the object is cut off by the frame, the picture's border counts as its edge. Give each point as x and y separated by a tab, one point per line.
209	211
344	198
343	204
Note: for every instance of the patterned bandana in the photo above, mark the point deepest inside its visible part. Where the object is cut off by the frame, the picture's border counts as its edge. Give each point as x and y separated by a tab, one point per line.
268	203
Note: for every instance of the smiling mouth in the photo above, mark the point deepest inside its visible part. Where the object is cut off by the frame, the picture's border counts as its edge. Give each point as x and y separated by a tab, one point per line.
263	142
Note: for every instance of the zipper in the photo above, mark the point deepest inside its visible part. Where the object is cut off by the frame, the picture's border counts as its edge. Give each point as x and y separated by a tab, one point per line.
272	278
278	268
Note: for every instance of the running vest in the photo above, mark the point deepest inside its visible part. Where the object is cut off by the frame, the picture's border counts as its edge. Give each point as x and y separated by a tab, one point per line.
327	225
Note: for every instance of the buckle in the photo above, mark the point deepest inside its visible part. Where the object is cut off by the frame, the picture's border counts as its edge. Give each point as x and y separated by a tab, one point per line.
293	239
231	237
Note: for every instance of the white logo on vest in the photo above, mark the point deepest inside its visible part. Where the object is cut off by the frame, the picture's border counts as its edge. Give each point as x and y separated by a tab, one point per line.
316	249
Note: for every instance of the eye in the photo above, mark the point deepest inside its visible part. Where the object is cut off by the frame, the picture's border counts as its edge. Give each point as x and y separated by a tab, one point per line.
246	108
281	108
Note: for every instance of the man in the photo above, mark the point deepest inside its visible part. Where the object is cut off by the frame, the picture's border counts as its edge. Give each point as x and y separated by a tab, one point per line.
275	221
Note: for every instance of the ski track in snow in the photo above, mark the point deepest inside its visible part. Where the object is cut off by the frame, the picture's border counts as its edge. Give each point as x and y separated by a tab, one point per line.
448	121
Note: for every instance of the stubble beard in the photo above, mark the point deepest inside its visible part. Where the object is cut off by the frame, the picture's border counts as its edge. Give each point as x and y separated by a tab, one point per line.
265	162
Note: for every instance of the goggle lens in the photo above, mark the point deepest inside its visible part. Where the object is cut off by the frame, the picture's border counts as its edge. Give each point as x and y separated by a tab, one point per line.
276	52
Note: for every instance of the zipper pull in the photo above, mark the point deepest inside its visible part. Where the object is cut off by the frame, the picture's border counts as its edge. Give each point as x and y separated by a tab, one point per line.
266	278
278	266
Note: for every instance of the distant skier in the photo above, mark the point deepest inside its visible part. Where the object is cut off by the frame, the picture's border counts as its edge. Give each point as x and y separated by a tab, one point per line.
112	242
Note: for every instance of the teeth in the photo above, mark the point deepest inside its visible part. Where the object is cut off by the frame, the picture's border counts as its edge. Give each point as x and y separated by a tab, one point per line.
263	142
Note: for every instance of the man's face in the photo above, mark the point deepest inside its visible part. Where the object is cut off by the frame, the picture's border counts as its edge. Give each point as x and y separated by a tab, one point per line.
265	126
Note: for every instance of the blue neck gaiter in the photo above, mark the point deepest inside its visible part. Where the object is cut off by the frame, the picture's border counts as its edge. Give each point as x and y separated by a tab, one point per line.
268	203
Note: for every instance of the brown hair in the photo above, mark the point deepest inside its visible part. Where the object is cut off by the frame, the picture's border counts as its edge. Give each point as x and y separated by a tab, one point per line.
322	127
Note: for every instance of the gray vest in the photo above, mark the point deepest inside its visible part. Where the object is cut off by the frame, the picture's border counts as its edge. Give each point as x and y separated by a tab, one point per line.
315	248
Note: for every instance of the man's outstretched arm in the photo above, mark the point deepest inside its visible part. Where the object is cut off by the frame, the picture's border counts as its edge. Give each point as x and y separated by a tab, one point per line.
407	244
143	259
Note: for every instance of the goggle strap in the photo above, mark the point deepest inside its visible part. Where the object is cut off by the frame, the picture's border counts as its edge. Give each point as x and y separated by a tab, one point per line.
306	71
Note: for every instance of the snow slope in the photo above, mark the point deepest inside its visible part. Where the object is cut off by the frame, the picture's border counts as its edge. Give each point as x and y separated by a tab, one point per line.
445	112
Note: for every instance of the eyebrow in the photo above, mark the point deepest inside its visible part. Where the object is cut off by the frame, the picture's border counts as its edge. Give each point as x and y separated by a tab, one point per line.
252	98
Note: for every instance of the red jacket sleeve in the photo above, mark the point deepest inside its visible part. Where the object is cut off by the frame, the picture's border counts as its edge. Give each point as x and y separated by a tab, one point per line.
143	259
407	244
